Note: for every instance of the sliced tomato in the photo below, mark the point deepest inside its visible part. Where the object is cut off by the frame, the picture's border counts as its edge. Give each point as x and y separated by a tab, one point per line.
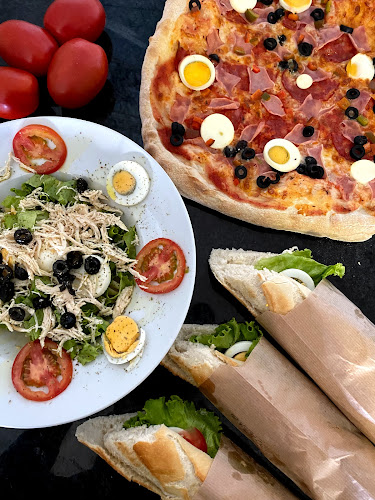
37	367
195	437
163	264
34	143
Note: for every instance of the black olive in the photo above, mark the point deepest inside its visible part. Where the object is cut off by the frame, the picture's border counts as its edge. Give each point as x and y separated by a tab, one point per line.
6	273
248	154
315	171
272	18
68	320
361	140
263	182
317	14
6	291
310	160
240	172
241	145
229	152
59	268
41	302
82	185
308	131
1	257
357	152
292	65
17	313
195	3
266	2
92	265
20	273
23	236
74	260
283	65
346	29
305	49
352	113
282	39
176	140
270	43
279	13
352	93
276	179
373	108
178	129
301	169
214	57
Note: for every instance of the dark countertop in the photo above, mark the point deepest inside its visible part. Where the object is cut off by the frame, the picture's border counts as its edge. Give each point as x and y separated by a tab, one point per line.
52	459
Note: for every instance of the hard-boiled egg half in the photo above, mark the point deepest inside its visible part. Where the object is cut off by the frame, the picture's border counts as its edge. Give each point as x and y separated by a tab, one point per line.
197	72
128	183
300	276
123	341
99	282
282	155
296	6
238	350
361	66
217	131
363	171
242	6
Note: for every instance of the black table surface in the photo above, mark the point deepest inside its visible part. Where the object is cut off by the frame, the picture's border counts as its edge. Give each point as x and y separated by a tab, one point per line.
51	460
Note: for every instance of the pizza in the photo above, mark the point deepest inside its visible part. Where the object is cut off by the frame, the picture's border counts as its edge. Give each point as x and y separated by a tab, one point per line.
264	111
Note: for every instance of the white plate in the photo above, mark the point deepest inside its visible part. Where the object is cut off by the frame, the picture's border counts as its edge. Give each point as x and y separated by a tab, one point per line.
92	150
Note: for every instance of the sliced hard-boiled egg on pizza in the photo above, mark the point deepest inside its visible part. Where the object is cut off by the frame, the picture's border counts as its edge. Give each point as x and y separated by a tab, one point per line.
296	6
282	155
238	350
300	276
99	282
128	183
123	341
217	131
363	171
197	72
242	6
361	66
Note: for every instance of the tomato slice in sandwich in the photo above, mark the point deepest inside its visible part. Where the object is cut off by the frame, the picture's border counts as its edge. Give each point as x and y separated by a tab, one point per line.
40	148
162	262
195	437
36	367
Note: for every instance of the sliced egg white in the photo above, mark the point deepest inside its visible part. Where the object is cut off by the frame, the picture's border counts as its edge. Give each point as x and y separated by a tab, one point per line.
197	72
137	192
361	66
300	275
133	356
46	257
217	128
242	6
238	347
296	6
282	155
363	171
100	281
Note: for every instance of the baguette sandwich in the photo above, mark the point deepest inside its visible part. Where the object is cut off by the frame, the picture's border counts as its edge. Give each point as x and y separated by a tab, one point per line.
275	405
326	334
178	452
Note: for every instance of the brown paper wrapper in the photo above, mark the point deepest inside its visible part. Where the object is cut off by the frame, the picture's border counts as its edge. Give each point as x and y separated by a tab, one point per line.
233	475
294	425
334	343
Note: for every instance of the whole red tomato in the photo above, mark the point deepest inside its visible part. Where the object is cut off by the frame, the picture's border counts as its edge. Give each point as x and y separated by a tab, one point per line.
77	73
68	19
26	46
19	93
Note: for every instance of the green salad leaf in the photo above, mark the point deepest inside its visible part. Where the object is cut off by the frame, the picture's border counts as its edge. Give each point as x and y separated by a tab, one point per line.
126	240
227	334
178	413
301	259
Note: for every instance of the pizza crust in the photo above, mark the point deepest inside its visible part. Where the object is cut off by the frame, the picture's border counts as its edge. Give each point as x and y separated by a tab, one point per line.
354	226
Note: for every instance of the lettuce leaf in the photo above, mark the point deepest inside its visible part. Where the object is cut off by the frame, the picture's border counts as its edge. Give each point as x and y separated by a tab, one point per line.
301	259
62	192
229	333
178	413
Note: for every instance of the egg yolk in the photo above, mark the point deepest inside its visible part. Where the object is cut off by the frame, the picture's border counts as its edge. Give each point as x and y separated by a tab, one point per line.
124	182
121	336
279	155
241	356
197	74
297	3
352	69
